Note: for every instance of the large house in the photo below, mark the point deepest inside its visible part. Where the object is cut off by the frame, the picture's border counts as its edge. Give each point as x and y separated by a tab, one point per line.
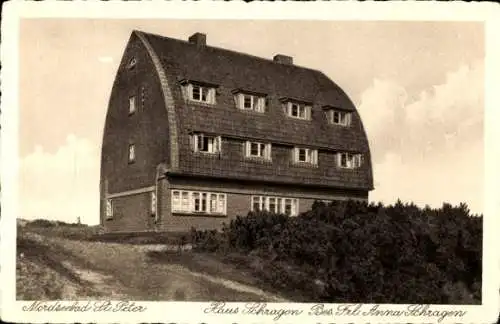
196	135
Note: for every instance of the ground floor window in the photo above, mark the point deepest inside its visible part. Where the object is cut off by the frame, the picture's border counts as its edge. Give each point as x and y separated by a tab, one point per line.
282	205
198	202
109	209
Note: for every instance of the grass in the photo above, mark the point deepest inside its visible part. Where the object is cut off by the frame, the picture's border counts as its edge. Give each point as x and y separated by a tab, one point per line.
244	269
39	263
93	234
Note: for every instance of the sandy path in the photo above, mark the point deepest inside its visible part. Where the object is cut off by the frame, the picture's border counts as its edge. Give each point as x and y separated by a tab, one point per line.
123	271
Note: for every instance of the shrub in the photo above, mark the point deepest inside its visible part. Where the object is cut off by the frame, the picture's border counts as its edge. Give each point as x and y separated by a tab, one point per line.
349	251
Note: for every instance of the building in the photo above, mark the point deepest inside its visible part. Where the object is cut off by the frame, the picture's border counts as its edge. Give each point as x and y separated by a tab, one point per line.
195	135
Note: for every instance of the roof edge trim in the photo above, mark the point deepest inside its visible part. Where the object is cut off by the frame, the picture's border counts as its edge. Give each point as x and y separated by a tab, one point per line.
168	100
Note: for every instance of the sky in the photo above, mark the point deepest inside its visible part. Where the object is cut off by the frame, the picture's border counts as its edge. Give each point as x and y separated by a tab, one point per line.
419	87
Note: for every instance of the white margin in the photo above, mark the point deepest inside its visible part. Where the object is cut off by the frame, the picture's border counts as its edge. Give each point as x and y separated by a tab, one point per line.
181	312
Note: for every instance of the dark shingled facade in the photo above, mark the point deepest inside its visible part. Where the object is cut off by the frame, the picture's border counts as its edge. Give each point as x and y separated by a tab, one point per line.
145	194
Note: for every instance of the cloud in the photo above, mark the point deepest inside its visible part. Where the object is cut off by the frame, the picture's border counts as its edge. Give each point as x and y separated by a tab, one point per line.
62	185
428	150
105	59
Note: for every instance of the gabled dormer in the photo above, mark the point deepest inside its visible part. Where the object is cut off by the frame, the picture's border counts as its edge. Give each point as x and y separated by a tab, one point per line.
249	100
199	91
297	109
338	116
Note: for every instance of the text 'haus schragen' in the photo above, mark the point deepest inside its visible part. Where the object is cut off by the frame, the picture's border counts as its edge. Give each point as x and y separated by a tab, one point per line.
196	135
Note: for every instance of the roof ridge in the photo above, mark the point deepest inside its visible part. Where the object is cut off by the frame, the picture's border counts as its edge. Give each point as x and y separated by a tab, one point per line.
231	51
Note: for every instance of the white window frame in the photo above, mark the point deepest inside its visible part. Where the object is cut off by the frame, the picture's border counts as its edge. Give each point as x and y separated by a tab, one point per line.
344	118
209	92
280	203
214	143
131	153
184	201
303	110
257	103
311	155
263	150
109	209
132	104
352	161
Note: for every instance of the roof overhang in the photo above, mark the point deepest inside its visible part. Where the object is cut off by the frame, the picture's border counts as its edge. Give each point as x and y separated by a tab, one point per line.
332	107
296	100
198	82
242	180
250	92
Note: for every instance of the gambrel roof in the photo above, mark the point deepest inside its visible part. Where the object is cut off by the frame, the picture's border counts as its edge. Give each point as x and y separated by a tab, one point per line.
233	70
229	71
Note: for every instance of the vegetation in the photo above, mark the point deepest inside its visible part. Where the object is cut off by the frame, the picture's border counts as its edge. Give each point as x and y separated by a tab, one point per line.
358	252
82	232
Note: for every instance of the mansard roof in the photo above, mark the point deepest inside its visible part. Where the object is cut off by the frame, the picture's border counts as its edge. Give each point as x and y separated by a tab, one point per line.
179	62
237	70
232	70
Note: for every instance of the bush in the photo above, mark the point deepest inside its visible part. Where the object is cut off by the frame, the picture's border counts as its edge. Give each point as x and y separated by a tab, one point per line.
358	252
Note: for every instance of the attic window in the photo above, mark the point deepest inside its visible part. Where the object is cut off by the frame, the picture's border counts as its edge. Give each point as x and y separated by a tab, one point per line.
297	110
206	144
338	117
250	102
200	93
131	63
349	160
258	150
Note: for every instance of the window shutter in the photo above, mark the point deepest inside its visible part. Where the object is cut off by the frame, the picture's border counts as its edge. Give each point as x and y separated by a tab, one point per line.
247	148
241	101
211	95
190	91
260	104
308	112
218	144
339	159
195	143
268	151
348	119
314	156
358	160
295	154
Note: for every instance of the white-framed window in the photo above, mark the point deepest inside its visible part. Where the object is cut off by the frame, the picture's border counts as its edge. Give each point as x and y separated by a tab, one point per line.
279	205
258	150
298	110
349	160
206	143
131	105
109	209
252	102
211	203
305	155
131	153
201	93
153	203
338	117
